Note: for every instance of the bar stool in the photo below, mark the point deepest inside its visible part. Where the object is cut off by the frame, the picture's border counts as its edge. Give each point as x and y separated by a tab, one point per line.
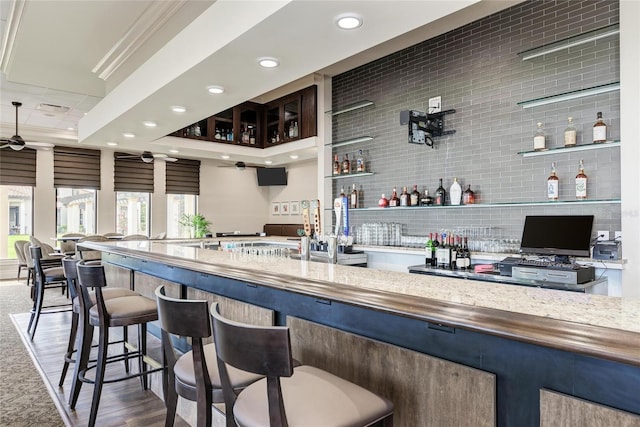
123	311
44	278
86	330
288	396
185	375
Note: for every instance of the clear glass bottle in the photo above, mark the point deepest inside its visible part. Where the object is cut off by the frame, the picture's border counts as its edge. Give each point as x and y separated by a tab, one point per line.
404	198
455	192
468	197
539	139
570	134
346	165
394	200
441	195
553	184
581	183
360	165
599	130
337	167
218	135
353	200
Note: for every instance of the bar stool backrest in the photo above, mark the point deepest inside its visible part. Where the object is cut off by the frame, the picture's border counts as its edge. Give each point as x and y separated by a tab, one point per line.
91	275
70	269
257	349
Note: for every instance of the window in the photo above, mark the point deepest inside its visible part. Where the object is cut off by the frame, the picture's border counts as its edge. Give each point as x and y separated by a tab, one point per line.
16	215
178	205
132	212
75	210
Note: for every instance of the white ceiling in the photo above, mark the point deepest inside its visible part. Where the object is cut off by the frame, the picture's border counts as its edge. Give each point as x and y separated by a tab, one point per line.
119	63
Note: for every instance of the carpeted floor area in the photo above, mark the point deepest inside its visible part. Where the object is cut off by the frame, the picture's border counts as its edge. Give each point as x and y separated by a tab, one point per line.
23	396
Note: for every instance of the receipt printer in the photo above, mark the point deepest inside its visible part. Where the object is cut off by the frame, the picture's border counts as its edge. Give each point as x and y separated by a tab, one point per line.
607	249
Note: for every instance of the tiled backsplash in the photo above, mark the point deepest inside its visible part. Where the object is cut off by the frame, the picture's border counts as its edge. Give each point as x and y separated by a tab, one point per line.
477	71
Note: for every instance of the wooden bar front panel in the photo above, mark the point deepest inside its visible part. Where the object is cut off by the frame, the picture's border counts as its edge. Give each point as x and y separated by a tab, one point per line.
557	409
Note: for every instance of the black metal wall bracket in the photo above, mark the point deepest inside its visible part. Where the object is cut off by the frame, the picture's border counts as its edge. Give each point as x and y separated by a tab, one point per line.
423	127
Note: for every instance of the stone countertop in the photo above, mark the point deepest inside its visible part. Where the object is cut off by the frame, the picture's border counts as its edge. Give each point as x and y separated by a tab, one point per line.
602	326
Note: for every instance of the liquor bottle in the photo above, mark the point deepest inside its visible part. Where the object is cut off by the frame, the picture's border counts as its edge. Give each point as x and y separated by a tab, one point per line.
360	165
428	250
599	130
539	139
455	192
342	192
570	134
346	165
361	197
453	253
553	184
383	202
434	259
415	196
394	200
336	165
252	136
466	255
217	134
460	259
426	199
441	195
353	200
404	198
581	183
245	135
468	197
230	135
445	252
196	130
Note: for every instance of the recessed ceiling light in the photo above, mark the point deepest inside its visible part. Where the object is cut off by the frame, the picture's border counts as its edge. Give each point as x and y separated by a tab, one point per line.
112	144
293	156
71	128
178	109
267	162
215	89
268	62
149	124
349	21
129	135
174	151
226	157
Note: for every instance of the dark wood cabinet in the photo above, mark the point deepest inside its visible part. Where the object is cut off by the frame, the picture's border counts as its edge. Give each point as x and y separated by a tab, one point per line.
283	120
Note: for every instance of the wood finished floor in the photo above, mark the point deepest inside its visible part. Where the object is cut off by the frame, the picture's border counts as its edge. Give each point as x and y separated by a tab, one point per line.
123	403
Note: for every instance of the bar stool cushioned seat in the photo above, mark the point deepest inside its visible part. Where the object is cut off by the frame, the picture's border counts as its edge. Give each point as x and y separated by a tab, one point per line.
288	396
124	311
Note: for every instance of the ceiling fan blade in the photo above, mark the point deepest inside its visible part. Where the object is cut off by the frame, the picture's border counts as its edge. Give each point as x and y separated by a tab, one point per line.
169	159
39	144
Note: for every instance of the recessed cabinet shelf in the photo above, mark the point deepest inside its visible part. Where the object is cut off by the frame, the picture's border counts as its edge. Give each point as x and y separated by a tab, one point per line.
351	107
609	30
351	141
496	205
558	150
351	175
574	94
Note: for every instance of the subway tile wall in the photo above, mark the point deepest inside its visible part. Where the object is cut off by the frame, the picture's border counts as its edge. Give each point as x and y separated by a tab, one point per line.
477	71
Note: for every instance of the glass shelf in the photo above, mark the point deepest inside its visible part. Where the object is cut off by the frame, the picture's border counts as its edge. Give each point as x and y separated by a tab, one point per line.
351	175
574	94
609	30
557	150
351	107
350	141
496	205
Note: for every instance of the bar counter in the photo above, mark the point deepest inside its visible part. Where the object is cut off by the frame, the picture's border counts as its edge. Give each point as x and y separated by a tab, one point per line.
588	346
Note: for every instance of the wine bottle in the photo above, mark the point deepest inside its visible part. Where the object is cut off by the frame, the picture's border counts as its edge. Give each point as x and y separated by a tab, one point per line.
581	183
453	253
553	184
394	200
346	165
353	200
570	134
404	198
336	165
599	130
360	165
428	250
455	192
361	197
415	196
383	202
468	197
539	139
441	195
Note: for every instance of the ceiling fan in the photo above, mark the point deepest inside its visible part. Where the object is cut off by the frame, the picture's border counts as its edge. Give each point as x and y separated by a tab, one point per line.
147	157
240	166
16	142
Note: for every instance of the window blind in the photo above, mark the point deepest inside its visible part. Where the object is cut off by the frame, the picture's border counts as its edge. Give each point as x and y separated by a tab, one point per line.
18	167
132	174
183	177
76	167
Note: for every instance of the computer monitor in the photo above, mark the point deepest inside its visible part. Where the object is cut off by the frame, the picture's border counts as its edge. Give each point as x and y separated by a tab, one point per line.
558	235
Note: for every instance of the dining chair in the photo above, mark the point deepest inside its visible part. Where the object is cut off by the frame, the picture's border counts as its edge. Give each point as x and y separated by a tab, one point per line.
289	395
18	246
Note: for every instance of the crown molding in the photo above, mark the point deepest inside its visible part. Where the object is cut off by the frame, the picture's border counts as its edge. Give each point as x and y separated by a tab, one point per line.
148	23
13	24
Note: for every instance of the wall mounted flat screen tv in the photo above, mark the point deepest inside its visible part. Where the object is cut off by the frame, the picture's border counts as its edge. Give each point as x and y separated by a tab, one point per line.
271	176
559	235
